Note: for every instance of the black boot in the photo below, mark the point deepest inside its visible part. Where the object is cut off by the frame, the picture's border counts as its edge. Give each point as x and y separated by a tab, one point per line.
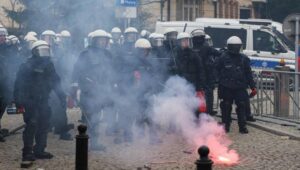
28	157
2	139
66	136
250	119
243	130
43	155
227	128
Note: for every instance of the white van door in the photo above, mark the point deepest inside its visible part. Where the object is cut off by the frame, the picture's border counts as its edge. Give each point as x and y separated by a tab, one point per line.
266	50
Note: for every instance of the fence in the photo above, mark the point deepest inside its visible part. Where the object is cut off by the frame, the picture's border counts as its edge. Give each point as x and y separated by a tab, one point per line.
276	95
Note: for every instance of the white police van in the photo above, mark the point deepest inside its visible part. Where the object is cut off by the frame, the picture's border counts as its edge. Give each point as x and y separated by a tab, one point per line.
263	41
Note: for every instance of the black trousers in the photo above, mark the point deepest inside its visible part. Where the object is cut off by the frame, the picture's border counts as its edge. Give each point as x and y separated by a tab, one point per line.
59	118
3	104
239	97
36	118
248	108
209	97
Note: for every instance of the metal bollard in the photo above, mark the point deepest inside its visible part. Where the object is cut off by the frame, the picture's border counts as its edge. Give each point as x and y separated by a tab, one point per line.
204	163
82	148
282	92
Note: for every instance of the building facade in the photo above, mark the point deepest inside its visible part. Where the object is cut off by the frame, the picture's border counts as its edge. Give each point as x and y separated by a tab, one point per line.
189	10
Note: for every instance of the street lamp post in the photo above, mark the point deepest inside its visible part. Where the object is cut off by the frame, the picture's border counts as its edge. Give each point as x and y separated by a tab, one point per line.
162	5
215	8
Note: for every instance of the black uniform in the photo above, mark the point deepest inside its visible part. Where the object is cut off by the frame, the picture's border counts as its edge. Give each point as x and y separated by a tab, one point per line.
235	77
168	51
208	56
3	91
91	72
63	61
115	50
146	85
11	61
190	67
35	80
4	77
125	66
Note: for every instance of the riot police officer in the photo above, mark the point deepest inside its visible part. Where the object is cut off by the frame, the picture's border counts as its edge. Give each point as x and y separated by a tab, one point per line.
189	65
146	83
157	41
91	74
208	55
130	37
125	66
170	44
235	76
35	80
115	46
3	76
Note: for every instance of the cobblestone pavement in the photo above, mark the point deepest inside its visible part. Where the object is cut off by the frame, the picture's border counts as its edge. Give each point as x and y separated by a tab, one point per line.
258	150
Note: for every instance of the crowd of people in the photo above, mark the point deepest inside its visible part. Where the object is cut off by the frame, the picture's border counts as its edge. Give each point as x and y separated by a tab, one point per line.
112	81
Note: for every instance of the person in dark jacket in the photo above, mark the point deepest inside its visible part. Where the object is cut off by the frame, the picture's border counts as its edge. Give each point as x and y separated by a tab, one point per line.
10	63
188	64
115	46
35	80
170	44
91	74
235	76
208	55
63	60
125	65
147	79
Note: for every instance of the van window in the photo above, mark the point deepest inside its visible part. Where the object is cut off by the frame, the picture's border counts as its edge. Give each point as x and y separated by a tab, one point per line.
264	41
220	36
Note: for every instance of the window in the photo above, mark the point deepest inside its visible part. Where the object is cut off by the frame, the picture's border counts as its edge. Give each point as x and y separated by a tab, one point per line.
264	41
245	13
186	12
191	9
220	36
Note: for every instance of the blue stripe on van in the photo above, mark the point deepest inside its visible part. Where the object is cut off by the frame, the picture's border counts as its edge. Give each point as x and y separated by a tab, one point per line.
264	63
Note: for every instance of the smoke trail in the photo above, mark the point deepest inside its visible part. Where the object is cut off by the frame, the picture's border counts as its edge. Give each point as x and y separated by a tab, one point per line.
176	104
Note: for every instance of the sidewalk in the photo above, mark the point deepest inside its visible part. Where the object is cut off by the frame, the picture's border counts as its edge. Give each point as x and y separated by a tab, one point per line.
258	150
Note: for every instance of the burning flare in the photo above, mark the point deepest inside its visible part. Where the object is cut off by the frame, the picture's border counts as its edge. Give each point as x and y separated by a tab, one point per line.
176	105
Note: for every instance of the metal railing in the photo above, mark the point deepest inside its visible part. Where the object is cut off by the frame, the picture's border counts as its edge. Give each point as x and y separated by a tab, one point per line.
276	95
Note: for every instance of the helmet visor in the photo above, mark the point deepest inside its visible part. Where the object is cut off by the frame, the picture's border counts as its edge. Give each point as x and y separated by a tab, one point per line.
49	39
131	37
116	36
171	36
43	51
158	42
100	42
185	43
234	48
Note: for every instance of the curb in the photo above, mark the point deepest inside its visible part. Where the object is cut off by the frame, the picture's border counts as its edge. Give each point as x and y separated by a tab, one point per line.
270	130
274	131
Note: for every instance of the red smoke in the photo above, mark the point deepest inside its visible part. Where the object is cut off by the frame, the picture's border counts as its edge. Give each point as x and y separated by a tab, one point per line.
176	105
211	134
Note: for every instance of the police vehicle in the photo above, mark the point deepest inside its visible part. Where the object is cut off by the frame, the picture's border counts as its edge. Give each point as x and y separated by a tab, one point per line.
263	41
